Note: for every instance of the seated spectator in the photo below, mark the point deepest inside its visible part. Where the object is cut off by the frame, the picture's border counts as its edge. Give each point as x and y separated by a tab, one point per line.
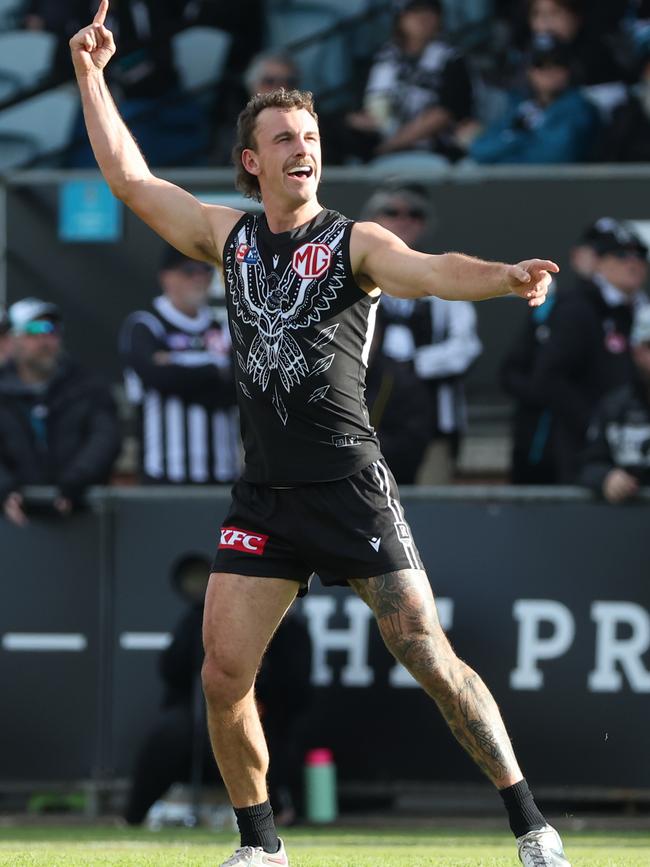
626	138
594	58
554	123
435	339
177	749
586	353
269	71
178	373
616	460
266	71
5	338
418	90
58	423
169	129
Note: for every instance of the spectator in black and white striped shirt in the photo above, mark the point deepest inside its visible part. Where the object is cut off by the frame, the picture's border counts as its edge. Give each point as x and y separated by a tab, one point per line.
178	373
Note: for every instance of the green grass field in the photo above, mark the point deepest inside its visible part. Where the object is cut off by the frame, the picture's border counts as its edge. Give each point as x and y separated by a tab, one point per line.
87	847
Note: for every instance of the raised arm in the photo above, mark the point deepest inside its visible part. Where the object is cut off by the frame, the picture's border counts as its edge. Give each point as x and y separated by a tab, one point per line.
380	258
196	229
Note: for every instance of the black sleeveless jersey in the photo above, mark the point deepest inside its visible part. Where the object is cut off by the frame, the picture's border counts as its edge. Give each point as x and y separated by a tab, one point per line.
301	329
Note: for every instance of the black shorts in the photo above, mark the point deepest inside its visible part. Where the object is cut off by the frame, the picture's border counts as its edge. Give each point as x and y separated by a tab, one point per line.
350	528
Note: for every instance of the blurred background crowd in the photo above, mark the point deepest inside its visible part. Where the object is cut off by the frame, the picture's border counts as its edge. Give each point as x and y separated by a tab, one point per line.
479	81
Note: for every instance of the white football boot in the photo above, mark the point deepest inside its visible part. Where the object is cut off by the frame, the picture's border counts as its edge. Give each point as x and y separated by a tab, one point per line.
542	848
249	856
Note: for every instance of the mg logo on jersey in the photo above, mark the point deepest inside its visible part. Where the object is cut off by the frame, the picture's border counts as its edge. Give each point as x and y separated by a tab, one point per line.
311	260
242	540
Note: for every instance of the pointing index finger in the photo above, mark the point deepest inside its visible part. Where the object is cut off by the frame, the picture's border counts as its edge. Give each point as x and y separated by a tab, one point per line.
100	17
547	265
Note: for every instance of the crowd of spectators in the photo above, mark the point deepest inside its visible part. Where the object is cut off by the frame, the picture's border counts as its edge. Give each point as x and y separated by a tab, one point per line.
491	81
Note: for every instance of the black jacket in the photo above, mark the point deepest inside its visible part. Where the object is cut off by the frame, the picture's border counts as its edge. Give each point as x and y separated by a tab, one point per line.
66	436
619	437
586	355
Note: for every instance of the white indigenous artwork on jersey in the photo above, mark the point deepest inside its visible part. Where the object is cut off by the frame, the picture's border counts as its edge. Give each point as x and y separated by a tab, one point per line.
277	305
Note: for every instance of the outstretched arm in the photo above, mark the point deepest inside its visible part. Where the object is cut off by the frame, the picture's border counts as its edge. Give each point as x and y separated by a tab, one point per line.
197	230
380	258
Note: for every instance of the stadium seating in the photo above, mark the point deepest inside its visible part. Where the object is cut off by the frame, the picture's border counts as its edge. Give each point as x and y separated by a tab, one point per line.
27	56
200	55
323	62
44	123
11	12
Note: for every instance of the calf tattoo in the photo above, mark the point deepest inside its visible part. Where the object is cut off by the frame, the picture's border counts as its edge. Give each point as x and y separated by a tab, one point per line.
406	614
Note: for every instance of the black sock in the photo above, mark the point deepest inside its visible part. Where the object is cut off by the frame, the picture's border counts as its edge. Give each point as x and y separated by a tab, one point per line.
523	812
257	827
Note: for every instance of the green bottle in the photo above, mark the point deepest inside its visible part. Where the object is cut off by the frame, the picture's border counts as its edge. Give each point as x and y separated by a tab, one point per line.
320	786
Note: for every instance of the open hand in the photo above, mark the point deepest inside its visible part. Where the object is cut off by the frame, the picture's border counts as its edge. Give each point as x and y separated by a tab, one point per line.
530	279
93	46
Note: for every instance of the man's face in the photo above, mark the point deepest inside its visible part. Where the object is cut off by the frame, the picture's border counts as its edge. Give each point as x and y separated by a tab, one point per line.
39	346
419	25
626	270
187	284
547	16
403	218
273	75
287	157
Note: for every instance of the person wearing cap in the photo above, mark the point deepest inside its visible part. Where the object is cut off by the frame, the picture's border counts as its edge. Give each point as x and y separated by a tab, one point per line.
616	459
552	123
418	91
532	458
587	352
58	423
178	375
435	340
5	338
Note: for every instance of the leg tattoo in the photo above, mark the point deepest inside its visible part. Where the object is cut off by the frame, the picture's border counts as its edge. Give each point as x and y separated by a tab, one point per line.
406	614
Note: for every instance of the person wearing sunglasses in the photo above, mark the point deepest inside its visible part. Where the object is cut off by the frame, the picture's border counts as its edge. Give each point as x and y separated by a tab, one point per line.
587	351
58	422
178	376
434	340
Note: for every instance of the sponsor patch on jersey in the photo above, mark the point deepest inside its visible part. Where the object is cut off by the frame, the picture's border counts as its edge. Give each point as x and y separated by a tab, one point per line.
247	255
311	260
234	539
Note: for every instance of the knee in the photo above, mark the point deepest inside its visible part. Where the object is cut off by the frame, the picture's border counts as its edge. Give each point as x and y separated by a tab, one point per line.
225	681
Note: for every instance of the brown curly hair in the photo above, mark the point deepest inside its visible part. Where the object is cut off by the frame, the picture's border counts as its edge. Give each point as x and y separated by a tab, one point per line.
286	100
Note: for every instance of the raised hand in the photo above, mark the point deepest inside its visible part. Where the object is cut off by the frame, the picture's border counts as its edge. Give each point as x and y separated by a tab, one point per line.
531	279
93	46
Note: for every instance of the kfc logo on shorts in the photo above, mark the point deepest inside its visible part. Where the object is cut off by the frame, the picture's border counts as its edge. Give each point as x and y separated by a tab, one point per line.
242	540
311	260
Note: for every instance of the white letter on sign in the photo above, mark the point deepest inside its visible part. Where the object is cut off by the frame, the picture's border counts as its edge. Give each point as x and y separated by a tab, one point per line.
627	652
356	672
531	648
399	676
